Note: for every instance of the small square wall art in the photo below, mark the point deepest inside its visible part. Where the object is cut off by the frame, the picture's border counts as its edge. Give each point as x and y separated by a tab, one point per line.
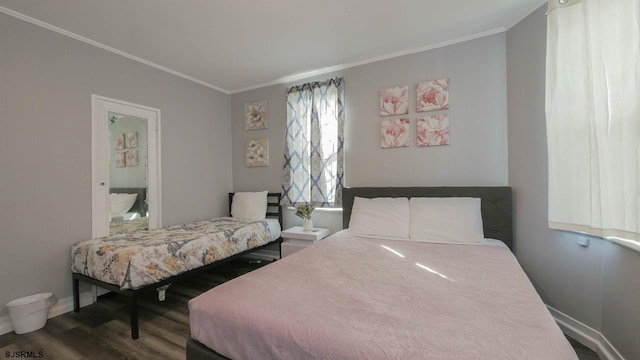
433	130
394	133
394	101
119	143
120	159
255	115
432	95
132	158
132	140
257	152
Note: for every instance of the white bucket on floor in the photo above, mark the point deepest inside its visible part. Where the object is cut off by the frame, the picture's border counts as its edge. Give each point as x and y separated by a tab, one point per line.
30	312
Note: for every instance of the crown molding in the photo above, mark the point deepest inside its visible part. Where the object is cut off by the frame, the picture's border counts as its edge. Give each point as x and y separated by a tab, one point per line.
331	69
100	45
283	80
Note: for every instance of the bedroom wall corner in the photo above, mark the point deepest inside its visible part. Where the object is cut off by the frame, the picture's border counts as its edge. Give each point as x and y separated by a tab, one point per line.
46	83
595	285
552	259
4	156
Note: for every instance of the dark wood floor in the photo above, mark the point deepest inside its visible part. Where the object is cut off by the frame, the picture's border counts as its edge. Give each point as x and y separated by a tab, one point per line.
101	330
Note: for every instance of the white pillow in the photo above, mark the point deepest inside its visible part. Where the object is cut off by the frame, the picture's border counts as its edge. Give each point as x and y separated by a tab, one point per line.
249	205
450	220
380	217
121	203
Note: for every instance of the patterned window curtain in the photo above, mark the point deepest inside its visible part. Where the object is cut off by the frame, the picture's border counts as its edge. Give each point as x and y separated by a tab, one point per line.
314	148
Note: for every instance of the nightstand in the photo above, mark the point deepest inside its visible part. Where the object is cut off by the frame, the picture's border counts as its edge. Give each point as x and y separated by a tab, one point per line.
296	239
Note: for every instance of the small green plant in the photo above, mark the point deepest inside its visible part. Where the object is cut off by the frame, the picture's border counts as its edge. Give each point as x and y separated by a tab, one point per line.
304	211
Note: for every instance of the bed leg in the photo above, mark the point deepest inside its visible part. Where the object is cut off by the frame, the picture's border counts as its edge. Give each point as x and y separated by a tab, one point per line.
76	294
134	316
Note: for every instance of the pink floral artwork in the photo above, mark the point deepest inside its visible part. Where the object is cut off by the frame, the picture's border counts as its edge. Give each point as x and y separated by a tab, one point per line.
432	95
394	101
132	158
394	133
119	145
120	159
132	140
433	130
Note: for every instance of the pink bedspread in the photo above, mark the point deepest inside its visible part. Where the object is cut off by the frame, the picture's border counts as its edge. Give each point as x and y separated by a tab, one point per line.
359	298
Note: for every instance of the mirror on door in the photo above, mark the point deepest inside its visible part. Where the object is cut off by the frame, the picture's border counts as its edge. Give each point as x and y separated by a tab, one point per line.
128	174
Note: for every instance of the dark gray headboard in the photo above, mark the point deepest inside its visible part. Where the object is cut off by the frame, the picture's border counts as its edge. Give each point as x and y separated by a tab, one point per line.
140	206
496	204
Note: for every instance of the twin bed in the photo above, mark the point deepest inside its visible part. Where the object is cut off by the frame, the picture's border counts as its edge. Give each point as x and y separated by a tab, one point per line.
133	263
407	291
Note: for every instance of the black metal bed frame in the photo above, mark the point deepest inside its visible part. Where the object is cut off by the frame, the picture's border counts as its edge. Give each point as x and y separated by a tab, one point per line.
133	294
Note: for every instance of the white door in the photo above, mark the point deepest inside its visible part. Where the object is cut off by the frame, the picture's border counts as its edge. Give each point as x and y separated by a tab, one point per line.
105	113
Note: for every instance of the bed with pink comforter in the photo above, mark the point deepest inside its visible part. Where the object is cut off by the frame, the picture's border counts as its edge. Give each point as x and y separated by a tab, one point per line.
351	297
363	297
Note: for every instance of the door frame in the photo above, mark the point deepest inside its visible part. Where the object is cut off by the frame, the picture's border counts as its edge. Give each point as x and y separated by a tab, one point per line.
100	157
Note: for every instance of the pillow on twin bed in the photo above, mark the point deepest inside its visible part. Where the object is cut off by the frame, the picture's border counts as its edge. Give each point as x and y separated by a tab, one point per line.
249	205
449	220
383	217
121	203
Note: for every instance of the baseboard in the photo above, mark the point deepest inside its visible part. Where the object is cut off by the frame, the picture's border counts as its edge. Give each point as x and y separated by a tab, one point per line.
63	306
267	255
586	335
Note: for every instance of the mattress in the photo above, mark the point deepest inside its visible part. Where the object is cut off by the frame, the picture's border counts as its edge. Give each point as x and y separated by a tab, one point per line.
128	226
133	260
350	297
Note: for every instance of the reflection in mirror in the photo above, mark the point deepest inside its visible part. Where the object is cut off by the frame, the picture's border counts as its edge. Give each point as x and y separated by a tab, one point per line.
128	205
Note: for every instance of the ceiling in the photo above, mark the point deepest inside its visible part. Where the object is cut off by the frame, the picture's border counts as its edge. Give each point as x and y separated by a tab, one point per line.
236	45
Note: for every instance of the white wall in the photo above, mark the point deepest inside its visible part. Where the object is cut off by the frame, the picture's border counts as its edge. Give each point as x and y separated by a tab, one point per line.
478	151
46	82
598	285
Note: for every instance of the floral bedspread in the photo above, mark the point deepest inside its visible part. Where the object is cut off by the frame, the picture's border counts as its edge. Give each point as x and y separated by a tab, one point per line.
133	260
127	226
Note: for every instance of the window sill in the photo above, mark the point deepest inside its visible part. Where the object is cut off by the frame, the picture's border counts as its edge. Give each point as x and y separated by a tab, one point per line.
629	244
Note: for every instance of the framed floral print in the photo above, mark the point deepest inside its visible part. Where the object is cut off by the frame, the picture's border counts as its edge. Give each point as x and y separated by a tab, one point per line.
132	158
257	152
433	130
394	101
119	143
394	133
255	115
120	159
432	95
132	140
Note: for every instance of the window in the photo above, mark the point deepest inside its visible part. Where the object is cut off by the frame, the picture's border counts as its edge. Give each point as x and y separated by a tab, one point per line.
314	147
593	117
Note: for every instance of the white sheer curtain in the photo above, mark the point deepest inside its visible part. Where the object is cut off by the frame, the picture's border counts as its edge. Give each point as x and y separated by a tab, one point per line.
593	124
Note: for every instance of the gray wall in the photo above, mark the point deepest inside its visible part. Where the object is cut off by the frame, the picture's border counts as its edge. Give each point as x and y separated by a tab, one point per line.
597	285
478	151
46	82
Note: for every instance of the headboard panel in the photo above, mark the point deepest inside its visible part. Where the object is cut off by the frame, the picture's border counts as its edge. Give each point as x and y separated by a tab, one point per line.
496	204
140	206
